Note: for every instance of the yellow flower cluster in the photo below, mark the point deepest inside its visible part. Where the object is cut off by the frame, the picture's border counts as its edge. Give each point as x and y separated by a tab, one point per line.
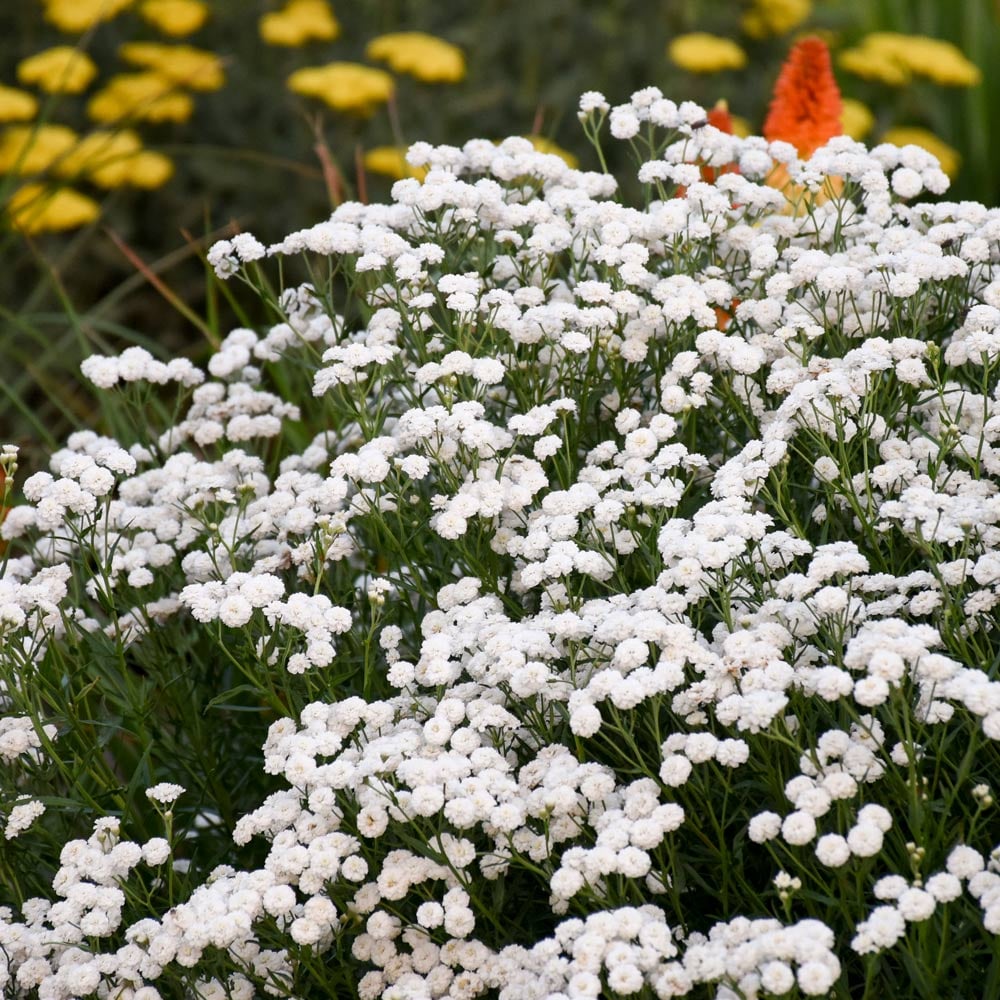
176	18
35	208
196	69
700	52
299	22
907	135
116	159
430	59
140	97
893	58
391	162
59	70
75	16
107	159
775	17
344	86
34	149
16	105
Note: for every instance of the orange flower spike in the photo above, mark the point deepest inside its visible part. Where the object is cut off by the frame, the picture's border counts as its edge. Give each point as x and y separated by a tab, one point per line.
806	108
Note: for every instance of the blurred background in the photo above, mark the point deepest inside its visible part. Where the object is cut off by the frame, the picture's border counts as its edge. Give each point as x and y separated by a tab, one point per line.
133	133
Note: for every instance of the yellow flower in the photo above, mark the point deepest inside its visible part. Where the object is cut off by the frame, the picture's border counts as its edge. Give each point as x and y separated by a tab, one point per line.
176	18
29	149
196	69
35	208
893	58
910	135
97	150
430	59
344	86
300	21
391	161
856	118
741	126
116	159
59	70
75	16
16	105
544	145
140	96
700	52
874	64
149	170
775	17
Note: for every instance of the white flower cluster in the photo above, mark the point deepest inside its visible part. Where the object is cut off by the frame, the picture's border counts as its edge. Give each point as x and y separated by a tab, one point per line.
136	364
51	950
596	517
631	948
914	902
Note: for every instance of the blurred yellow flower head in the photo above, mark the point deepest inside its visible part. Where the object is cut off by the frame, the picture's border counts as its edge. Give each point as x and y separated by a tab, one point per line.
911	135
391	162
59	70
344	86
31	149
16	105
35	208
892	58
700	52
741	126
142	97
775	17
75	16
197	69
116	159
299	22
430	59
176	18
856	118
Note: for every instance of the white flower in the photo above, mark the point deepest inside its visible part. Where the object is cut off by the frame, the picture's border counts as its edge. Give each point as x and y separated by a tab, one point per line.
865	840
430	915
817	978
906	182
165	793
798	828
833	850
235	611
155	851
877	815
964	862
764	826
870	691
593	100
21	817
777	977
675	770
944	887
279	900
916	904
624	122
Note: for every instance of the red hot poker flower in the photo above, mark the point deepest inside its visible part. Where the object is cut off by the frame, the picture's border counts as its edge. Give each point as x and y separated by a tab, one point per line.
806	108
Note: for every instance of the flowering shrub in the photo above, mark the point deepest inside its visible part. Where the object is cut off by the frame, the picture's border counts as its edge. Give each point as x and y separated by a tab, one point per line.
611	587
116	115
